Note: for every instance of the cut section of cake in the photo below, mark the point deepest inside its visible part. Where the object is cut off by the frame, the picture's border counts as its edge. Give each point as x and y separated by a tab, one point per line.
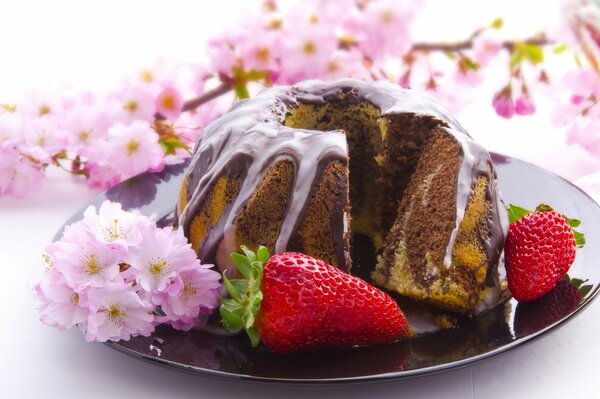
353	173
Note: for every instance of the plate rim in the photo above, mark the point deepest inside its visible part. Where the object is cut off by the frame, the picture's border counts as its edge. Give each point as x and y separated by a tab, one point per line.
361	379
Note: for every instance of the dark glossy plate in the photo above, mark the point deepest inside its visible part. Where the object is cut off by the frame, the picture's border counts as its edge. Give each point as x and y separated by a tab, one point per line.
506	327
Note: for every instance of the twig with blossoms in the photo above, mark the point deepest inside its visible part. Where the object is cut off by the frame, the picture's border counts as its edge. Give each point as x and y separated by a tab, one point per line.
115	275
147	123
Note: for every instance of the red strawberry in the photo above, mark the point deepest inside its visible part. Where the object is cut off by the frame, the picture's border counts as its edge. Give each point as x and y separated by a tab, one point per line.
296	302
539	250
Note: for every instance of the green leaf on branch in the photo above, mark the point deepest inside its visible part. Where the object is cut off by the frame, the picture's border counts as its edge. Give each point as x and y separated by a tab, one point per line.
241	91
450	55
170	144
533	53
497	23
560	49
241	77
469	64
516	58
578	61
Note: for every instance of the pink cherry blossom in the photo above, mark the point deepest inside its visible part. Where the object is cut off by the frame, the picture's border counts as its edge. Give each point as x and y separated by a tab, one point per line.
306	51
259	49
347	64
524	105
44	137
222	53
169	103
585	133
117	313
84	124
85	261
60	304
132	102
582	82
41	104
113	226
383	27
186	323
503	104
468	77
157	260
11	125
133	149
102	175
19	175
194	291
485	47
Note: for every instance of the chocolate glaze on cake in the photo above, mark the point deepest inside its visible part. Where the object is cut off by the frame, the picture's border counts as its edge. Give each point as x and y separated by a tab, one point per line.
249	139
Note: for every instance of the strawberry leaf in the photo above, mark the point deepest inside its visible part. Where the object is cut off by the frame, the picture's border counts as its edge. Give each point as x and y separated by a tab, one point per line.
516	212
262	254
585	289
579	239
543	208
572	222
243	264
239	312
249	254
577	282
254	336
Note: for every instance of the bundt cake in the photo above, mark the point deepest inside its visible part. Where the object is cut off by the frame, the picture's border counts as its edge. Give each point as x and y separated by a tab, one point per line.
351	170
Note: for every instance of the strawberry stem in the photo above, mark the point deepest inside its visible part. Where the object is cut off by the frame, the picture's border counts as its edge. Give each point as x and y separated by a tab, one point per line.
239	312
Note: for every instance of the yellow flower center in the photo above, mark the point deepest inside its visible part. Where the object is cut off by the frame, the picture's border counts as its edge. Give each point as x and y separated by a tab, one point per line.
42	139
387	16
91	264
9	108
114	233
188	289
84	135
333	67
314	19
75	298
44	110
168	101
263	54
147	76
116	313
132	147
157	267
48	261
276	24
309	48
131	106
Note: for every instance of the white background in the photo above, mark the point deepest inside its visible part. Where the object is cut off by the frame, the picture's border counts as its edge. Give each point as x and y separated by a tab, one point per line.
91	45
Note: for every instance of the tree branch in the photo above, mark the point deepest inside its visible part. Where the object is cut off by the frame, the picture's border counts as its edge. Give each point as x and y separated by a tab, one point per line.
208	96
225	87
467	44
